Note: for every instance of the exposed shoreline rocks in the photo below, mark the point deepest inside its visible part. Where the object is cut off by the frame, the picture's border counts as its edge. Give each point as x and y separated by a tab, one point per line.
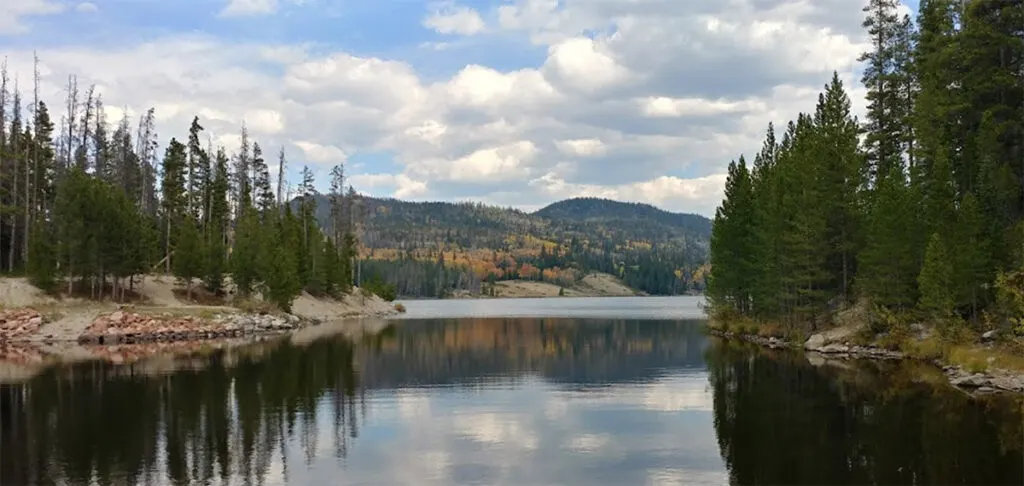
820	346
19	324
125	327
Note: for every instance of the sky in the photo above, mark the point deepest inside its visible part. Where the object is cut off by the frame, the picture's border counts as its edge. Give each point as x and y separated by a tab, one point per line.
509	102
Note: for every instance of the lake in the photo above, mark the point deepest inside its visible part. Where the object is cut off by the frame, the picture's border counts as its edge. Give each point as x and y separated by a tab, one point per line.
609	391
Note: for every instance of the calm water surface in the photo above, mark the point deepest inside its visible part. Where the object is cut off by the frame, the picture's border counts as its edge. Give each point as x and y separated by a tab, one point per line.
519	392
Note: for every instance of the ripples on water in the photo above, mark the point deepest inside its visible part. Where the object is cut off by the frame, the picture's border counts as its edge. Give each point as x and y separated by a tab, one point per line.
520	401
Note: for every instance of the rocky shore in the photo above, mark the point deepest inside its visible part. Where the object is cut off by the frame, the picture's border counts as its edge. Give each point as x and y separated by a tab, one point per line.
19	324
832	345
125	327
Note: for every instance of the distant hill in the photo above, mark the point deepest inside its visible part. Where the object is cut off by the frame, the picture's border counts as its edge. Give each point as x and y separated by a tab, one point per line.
637	217
652	250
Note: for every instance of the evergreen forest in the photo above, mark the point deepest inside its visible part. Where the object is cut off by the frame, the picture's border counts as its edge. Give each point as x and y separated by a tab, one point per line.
89	204
916	209
432	249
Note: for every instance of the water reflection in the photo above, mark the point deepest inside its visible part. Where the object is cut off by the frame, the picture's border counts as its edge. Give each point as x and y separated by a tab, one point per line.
98	421
780	420
500	401
273	412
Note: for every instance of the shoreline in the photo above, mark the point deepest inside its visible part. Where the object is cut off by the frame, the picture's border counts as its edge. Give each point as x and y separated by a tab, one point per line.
38	331
823	347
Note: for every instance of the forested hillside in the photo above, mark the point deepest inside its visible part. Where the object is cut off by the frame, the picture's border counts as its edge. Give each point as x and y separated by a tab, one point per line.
431	249
89	204
916	209
637	219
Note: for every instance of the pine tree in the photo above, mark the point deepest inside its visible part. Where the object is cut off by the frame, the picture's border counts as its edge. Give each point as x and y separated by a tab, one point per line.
189	253
730	245
15	149
307	254
333	272
196	173
264	193
840	182
243	178
217	222
43	173
338	224
283	284
349	253
936	280
971	260
884	133
765	230
281	279
172	191
245	255
42	262
888	262
805	236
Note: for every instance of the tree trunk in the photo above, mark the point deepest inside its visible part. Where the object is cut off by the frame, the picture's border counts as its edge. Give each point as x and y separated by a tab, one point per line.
167	247
14	202
26	201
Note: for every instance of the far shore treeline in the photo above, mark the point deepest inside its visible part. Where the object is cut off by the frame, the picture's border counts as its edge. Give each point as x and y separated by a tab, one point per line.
916	209
88	204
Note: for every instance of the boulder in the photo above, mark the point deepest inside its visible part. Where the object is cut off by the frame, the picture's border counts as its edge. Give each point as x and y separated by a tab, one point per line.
815	342
975	380
835	349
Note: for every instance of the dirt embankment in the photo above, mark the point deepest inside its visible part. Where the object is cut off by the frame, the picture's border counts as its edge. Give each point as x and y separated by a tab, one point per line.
592	285
36	329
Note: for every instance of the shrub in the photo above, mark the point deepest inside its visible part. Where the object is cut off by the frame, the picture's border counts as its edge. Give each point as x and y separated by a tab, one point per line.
379	287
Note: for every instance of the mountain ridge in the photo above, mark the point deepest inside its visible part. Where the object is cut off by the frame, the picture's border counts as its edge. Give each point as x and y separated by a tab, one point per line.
406	243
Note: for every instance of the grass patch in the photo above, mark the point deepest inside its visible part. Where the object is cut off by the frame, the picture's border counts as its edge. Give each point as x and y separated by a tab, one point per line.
255	306
745	326
207	314
977	359
928	349
770	329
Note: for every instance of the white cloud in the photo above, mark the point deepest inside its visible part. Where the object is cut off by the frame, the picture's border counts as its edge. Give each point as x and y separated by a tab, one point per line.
588	443
660	106
502	163
699	194
322	154
402	185
627	93
87	7
584	64
264	122
11	12
453	19
499	430
581	147
243	8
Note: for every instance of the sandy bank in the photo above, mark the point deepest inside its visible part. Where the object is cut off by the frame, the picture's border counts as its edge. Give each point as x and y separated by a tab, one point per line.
37	330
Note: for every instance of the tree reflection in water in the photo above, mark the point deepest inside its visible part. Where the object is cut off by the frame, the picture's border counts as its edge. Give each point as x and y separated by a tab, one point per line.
248	414
233	414
780	420
229	418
